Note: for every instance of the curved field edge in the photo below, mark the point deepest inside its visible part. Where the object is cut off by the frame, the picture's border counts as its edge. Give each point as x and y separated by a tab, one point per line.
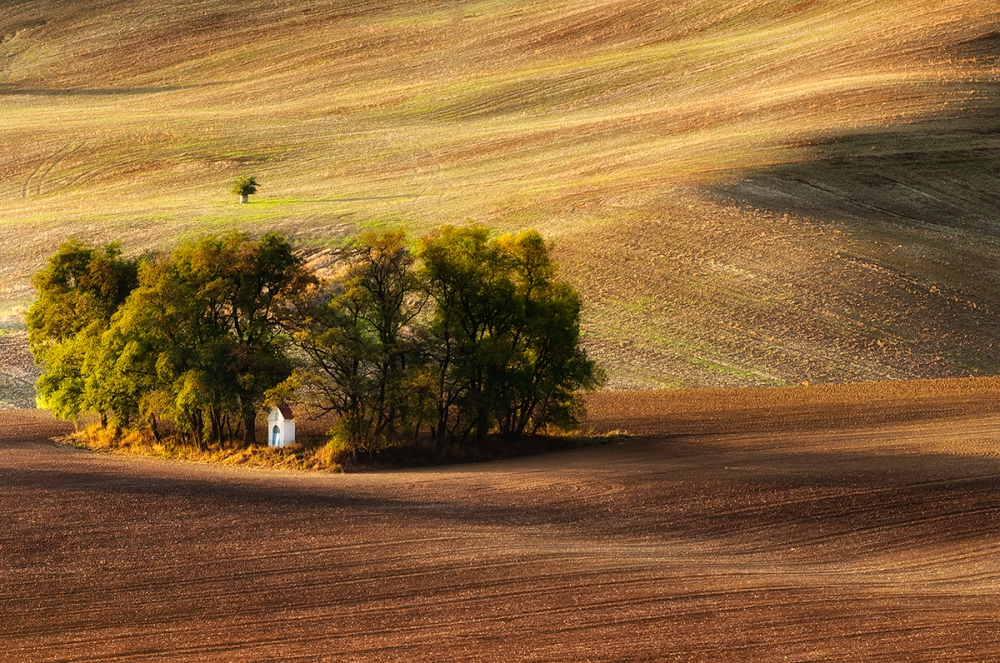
684	412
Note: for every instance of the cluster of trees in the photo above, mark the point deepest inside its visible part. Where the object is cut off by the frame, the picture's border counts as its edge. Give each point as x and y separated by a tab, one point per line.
193	337
466	335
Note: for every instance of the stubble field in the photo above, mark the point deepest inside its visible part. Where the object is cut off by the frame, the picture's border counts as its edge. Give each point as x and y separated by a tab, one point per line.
812	523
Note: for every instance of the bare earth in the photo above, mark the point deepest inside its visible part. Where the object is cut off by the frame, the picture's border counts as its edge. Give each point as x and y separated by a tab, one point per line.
814	523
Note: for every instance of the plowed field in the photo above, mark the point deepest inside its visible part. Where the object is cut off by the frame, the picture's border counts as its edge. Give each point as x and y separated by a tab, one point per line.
735	528
751	193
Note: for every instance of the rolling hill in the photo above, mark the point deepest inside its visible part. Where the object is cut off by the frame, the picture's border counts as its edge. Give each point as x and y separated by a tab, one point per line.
746	193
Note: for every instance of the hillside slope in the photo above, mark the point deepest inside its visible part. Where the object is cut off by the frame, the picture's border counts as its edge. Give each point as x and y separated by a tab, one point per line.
745	192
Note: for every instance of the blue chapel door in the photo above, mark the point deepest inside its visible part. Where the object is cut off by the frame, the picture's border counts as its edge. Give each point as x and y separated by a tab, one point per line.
275	434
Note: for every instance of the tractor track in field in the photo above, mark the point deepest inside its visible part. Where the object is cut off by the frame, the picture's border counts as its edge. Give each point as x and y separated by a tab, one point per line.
730	529
34	185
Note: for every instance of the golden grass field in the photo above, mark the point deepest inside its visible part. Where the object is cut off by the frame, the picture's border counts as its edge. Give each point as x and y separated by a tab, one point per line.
823	523
746	193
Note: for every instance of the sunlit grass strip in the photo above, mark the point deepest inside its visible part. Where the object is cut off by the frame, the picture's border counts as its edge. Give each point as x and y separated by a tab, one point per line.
320	456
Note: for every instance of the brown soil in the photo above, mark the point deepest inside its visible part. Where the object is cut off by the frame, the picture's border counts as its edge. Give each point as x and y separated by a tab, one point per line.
17	370
743	526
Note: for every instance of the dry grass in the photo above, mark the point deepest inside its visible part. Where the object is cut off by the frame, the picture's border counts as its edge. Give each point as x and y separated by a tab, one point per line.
708	170
318	456
316	450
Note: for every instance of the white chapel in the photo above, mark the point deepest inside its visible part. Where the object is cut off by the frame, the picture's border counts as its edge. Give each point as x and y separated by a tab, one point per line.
280	427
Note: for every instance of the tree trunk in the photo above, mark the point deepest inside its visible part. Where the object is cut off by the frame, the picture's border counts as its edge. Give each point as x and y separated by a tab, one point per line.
244	198
196	431
250	427
216	416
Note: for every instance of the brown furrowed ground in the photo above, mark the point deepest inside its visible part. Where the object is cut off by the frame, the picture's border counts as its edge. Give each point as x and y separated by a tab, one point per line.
735	528
17	370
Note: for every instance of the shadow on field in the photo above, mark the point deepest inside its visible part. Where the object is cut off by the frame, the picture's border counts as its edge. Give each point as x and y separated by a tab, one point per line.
698	489
936	176
911	217
12	91
937	172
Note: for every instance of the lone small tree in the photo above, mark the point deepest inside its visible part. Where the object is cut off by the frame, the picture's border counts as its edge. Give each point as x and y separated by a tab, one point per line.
243	186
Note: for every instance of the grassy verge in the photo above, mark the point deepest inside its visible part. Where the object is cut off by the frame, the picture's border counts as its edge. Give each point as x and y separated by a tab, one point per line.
315	453
309	455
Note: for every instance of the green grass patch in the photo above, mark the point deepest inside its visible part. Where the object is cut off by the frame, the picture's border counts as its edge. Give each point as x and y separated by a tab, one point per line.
732	370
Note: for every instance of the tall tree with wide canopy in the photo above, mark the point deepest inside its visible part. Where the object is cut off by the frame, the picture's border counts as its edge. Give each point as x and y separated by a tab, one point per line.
504	335
466	275
79	291
361	335
206	319
547	369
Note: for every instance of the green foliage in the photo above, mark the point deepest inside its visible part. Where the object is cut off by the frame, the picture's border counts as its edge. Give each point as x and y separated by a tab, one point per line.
468	336
203	328
196	341
504	335
358	332
80	285
244	185
481	338
60	387
464	273
79	291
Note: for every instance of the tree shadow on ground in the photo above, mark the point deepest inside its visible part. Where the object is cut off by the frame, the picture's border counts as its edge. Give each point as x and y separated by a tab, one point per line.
822	501
911	217
940	170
